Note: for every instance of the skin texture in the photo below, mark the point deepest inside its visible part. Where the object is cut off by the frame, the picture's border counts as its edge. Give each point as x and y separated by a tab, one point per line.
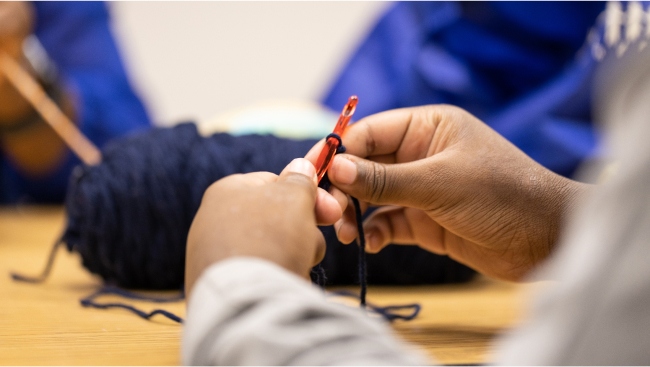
36	151
448	183
263	215
452	186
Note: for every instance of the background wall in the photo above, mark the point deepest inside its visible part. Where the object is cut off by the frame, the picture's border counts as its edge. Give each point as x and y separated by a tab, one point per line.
194	60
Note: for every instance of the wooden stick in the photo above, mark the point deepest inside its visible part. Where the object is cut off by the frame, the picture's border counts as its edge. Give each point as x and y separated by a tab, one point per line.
33	92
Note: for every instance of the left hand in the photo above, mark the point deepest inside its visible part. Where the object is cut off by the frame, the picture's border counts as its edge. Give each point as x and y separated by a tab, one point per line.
262	215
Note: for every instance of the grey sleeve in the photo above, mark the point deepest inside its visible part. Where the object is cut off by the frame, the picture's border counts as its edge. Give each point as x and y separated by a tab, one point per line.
598	312
247	311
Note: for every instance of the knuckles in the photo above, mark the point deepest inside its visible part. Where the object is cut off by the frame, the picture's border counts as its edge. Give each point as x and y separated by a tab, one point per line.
374	175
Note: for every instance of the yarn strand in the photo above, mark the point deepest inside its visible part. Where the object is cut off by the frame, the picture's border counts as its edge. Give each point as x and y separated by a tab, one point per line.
361	239
386	312
45	272
89	301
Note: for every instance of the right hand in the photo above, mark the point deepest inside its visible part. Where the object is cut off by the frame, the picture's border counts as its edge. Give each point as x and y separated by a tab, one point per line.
456	187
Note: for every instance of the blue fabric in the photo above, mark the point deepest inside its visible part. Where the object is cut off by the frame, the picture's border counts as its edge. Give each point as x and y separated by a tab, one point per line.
78	39
515	65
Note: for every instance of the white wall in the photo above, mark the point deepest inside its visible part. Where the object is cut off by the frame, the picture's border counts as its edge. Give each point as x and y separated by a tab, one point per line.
192	60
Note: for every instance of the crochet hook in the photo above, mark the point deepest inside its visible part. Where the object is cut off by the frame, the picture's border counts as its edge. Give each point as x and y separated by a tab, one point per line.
333	140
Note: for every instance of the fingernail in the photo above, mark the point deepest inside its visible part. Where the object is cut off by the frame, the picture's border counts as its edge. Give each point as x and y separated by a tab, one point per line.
337	227
344	170
302	166
372	240
369	237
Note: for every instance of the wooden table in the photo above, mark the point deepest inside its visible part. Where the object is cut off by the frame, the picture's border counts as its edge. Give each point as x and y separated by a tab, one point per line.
44	323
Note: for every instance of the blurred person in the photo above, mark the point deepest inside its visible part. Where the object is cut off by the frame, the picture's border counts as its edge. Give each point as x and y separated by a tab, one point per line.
68	47
452	185
521	67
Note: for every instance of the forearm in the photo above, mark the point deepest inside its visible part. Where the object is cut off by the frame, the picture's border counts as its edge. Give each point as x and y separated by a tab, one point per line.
250	311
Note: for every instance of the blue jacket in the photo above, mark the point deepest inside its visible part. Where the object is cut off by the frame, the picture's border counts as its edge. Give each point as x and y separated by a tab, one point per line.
519	66
77	37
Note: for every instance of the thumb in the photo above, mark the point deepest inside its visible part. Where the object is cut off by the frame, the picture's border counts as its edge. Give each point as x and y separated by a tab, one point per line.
405	184
301	174
300	171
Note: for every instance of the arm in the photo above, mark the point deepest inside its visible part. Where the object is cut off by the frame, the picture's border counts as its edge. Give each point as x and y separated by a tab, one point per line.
596	313
78	39
92	87
250	249
31	145
248	311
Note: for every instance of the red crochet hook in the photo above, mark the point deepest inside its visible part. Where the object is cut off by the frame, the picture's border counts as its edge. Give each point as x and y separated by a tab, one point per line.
332	143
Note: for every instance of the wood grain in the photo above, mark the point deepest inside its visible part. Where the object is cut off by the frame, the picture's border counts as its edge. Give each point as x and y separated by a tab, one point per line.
44	324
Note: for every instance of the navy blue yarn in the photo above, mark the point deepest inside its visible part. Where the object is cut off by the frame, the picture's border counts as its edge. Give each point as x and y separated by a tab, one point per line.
363	273
46	271
341	148
90	302
386	312
129	216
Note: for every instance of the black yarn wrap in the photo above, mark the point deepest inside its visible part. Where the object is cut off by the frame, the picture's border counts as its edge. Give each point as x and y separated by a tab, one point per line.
129	216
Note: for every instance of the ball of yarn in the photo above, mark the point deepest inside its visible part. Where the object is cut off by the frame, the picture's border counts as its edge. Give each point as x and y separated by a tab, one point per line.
129	216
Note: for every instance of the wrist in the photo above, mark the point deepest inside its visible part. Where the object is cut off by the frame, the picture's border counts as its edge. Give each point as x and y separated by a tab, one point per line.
565	193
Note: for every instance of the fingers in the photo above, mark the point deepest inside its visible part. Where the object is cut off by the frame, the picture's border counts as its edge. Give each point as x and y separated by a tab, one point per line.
313	153
340	197
403	226
301	166
321	247
16	23
378	134
238	181
414	184
346	227
406	132
387	225
327	207
250	179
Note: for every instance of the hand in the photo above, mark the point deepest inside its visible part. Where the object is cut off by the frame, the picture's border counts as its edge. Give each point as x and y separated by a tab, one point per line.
16	23
262	215
34	149
458	189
